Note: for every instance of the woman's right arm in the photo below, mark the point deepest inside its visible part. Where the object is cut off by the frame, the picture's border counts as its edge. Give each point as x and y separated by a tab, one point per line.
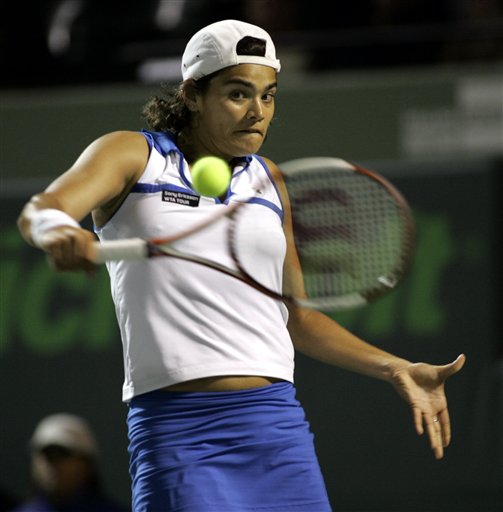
98	178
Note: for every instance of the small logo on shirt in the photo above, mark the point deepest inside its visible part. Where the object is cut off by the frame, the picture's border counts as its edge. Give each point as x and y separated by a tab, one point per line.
184	198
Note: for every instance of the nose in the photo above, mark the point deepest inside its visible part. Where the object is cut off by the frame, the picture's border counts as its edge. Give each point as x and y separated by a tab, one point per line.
255	112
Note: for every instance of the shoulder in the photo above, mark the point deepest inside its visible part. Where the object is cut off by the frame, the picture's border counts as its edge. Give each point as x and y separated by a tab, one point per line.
273	168
122	139
277	176
119	150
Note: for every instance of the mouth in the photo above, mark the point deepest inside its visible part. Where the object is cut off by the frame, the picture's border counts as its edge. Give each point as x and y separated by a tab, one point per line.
250	131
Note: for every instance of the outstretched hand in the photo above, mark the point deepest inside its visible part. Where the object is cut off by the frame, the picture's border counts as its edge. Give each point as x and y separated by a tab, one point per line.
422	386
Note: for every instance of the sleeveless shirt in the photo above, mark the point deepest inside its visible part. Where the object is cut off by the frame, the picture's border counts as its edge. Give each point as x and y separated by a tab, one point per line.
179	320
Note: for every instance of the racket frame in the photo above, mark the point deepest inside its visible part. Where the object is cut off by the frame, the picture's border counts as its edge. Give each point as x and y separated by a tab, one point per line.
157	247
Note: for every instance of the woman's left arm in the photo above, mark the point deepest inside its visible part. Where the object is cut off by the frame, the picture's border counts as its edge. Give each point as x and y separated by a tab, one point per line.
422	385
320	337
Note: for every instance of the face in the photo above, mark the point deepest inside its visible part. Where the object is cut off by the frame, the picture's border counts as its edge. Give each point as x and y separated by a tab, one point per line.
233	115
59	473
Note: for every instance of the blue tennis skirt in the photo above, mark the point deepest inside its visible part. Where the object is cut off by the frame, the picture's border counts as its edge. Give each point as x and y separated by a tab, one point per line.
237	451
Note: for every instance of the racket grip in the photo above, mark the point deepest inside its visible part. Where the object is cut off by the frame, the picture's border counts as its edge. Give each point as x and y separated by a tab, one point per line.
127	249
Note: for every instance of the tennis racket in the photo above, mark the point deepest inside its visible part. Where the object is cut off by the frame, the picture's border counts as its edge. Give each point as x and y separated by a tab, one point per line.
352	229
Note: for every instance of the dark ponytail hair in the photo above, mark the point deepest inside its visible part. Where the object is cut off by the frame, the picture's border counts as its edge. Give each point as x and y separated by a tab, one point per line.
167	111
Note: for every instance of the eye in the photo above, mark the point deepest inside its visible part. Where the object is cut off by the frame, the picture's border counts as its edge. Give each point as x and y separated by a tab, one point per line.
268	97
237	94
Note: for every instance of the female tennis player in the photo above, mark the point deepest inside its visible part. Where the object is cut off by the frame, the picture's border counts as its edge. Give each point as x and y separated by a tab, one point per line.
213	421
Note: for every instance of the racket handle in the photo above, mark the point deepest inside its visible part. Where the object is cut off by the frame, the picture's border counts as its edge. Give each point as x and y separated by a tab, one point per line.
127	249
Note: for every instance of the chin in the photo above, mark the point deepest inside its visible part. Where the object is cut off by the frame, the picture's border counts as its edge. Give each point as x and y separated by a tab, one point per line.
246	145
247	149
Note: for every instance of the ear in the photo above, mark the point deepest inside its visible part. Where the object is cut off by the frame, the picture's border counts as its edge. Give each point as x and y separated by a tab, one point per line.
190	94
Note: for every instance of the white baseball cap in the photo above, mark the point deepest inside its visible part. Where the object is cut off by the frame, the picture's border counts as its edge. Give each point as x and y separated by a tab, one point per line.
214	48
66	430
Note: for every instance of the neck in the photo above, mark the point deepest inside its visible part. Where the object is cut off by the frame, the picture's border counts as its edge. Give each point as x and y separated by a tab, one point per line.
192	148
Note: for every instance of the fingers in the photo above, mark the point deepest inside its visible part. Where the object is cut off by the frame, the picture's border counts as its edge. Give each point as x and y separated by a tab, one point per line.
437	427
445	427
452	368
434	430
418	420
66	249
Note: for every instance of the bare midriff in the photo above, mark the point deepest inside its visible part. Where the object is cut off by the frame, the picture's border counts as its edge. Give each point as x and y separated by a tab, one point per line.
223	383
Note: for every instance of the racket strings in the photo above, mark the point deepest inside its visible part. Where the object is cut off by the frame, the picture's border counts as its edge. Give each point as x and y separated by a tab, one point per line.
347	229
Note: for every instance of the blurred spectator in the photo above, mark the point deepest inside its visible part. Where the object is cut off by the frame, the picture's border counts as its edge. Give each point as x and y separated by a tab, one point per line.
64	469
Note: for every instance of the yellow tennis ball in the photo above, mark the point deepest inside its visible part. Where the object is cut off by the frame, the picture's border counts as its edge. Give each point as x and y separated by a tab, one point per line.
210	176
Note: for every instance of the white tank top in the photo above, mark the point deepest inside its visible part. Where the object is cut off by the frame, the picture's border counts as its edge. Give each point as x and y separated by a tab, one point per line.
179	320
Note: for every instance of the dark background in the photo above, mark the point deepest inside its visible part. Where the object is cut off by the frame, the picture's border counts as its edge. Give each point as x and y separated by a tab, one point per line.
412	89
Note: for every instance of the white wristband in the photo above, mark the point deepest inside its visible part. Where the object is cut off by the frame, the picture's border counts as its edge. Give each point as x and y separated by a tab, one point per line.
47	219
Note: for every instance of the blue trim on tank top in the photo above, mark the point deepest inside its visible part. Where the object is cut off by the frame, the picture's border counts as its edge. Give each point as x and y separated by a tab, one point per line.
164	143
268	171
